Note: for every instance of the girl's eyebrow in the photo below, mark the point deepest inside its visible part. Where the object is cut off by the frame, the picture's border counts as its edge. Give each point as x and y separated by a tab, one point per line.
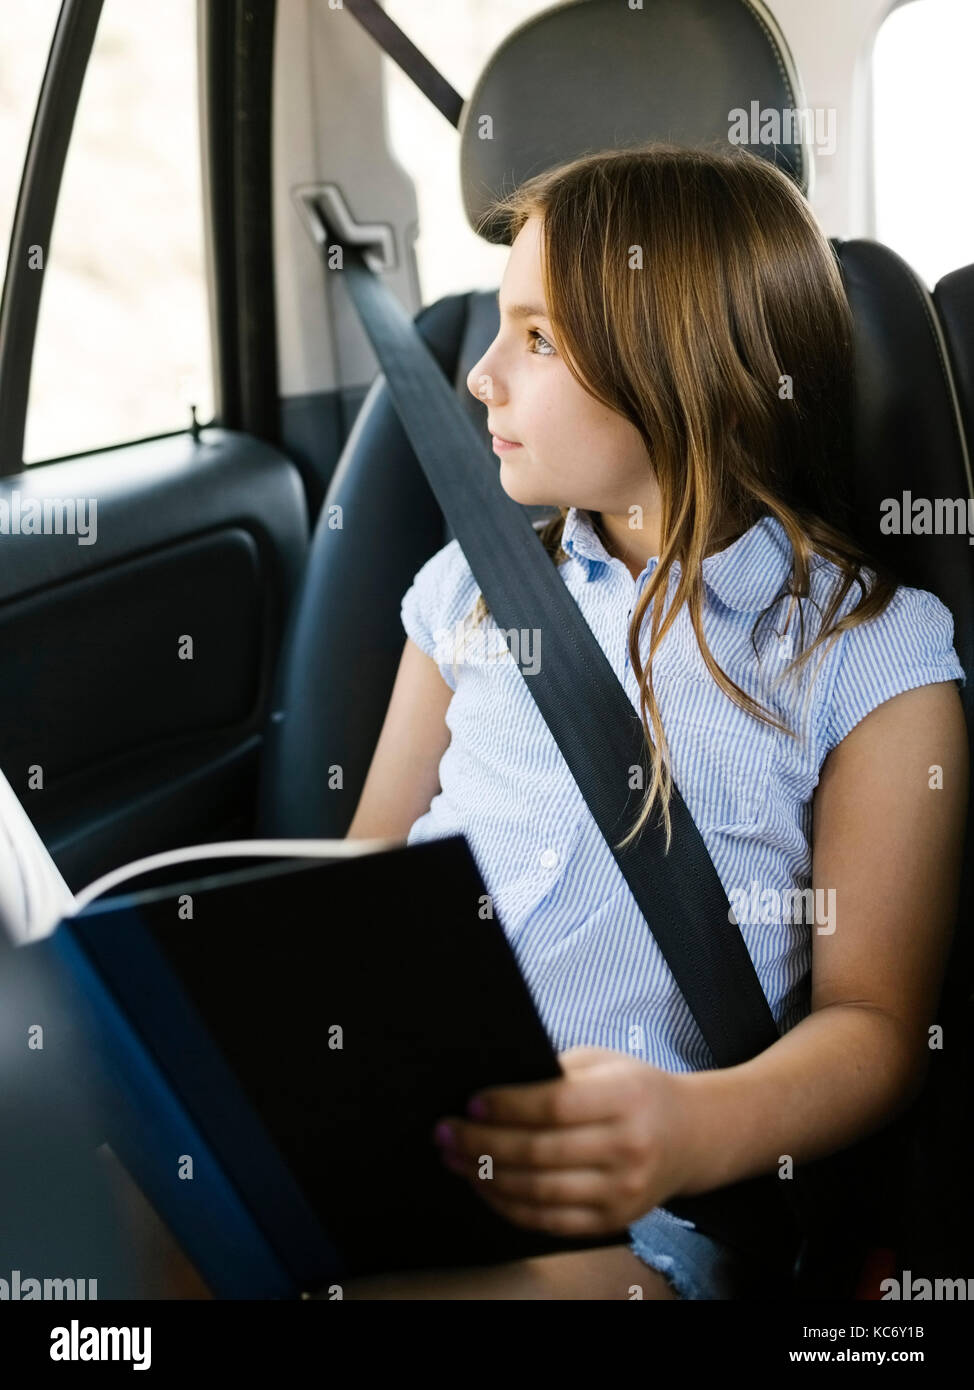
523	311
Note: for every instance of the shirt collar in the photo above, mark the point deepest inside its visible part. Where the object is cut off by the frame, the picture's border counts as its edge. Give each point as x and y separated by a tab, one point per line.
747	575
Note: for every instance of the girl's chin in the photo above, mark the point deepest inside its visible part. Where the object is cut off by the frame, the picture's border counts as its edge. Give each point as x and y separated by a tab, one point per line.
516	483
522	495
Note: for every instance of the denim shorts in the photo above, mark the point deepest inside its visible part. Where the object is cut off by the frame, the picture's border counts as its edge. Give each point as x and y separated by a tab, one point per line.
697	1266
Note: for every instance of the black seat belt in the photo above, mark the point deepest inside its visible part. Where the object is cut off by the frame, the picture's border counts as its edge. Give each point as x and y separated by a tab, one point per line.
575	685
594	723
600	736
585	706
401	49
591	718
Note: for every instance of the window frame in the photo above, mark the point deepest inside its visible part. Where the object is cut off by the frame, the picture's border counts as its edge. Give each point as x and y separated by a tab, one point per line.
40	184
235	65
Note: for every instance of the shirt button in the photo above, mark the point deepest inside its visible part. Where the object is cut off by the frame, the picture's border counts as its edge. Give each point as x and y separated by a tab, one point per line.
548	858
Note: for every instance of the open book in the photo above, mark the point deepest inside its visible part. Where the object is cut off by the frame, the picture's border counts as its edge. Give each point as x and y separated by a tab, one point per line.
34	897
286	1032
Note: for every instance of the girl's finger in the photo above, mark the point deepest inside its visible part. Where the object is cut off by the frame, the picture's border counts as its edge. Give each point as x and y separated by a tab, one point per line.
599	1090
581	1146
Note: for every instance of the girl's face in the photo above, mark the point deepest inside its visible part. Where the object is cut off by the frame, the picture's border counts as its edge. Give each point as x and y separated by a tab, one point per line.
573	451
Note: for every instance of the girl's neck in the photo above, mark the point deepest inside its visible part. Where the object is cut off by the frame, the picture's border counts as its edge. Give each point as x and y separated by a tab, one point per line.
620	541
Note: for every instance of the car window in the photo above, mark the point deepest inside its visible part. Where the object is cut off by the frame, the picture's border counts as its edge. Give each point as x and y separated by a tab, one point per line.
457	36
923	189
123	336
26	32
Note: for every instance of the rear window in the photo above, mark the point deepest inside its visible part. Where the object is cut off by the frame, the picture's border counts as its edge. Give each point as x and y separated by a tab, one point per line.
26	32
122	345
924	189
457	36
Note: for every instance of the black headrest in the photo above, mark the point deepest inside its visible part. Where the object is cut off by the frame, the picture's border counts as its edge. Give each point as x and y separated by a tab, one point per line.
670	70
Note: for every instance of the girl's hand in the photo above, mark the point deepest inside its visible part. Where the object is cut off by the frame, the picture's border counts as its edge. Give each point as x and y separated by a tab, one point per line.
585	1154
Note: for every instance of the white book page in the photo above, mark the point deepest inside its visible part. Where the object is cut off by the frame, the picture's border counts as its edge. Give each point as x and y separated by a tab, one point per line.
234	849
33	895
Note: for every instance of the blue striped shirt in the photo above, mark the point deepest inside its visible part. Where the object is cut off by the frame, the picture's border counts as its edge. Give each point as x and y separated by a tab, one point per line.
586	953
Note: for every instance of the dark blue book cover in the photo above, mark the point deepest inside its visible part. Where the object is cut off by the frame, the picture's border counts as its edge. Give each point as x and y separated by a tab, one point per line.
275	1045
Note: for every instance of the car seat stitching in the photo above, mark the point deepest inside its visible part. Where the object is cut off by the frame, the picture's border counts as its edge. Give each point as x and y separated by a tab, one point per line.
784	74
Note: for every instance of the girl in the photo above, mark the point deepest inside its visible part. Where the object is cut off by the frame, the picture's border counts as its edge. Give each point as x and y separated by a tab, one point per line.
672	373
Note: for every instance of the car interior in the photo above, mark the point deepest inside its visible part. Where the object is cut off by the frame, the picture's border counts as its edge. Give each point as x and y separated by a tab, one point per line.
224	531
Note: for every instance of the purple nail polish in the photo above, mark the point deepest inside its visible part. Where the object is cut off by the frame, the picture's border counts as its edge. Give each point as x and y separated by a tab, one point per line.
443	1134
477	1108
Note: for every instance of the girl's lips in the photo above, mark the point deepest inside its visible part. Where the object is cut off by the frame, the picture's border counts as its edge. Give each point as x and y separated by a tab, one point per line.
500	446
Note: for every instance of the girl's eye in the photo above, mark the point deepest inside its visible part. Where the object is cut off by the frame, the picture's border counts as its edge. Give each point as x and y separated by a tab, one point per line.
540	338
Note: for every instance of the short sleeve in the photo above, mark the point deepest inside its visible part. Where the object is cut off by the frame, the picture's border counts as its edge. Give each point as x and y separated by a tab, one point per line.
416	618
440	594
908	645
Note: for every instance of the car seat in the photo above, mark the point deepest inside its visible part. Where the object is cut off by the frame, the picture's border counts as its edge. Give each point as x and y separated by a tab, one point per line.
671	71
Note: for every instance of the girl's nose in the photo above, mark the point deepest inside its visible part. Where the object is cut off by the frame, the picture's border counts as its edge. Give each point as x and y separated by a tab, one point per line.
482	383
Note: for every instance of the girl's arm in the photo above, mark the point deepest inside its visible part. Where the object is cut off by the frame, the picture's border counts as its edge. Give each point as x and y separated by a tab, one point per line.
404	775
613	1136
889	817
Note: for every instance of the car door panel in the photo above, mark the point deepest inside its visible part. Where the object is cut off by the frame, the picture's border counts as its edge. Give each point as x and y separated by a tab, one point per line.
139	657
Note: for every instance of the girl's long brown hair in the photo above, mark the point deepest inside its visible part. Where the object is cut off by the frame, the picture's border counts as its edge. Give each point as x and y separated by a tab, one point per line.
686	288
